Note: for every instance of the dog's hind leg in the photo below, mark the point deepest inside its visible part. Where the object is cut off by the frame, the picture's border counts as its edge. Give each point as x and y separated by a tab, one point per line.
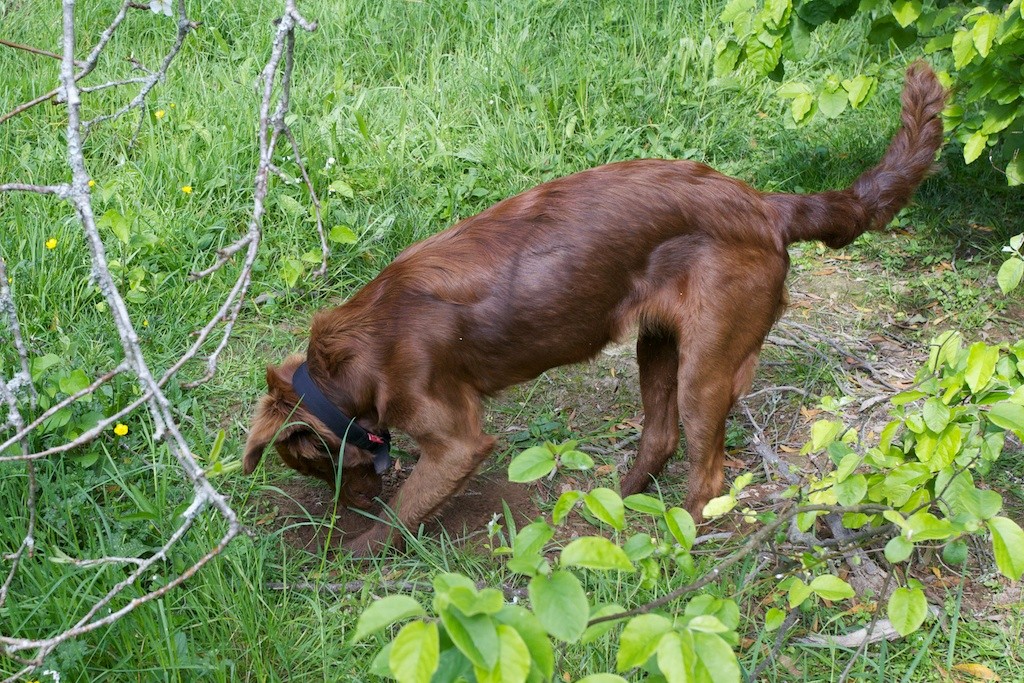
657	353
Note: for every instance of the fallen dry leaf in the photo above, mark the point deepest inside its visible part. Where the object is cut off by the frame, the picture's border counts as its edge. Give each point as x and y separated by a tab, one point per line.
979	671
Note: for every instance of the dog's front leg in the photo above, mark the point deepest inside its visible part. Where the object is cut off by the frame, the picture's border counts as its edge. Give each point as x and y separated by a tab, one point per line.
444	466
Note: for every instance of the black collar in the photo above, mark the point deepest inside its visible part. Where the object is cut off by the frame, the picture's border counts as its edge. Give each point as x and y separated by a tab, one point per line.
343	426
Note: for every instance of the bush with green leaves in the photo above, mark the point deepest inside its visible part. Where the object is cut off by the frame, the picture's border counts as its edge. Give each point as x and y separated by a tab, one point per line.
1012	270
916	488
980	47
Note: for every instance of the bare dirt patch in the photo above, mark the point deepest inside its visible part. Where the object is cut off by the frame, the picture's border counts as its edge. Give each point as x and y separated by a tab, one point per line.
304	507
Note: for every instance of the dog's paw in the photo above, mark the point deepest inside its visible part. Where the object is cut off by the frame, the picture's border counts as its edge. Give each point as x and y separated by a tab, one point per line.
373	542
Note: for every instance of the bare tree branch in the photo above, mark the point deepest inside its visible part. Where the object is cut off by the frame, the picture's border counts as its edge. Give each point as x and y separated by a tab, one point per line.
31	652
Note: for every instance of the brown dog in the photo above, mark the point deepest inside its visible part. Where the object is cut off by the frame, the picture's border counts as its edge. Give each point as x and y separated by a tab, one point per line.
695	260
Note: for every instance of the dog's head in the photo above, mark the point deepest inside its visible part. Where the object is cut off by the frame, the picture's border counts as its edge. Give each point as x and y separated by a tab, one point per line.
305	444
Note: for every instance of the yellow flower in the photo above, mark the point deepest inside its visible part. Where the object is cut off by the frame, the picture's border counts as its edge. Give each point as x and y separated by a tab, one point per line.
173	105
145	322
92	183
187	189
51	243
121	429
160	113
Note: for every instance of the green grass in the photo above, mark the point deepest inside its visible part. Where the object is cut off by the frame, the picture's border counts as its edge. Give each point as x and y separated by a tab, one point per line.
432	112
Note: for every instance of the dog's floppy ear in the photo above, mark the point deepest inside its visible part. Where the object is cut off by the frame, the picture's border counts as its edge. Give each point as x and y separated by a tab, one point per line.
270	418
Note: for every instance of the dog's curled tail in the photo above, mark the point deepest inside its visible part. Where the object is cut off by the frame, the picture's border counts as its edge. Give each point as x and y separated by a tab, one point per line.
839	217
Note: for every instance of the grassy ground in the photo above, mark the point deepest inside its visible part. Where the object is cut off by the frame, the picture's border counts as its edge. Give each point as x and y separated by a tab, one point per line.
431	111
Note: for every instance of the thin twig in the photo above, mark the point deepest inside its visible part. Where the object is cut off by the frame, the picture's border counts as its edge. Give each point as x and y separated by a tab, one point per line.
34	50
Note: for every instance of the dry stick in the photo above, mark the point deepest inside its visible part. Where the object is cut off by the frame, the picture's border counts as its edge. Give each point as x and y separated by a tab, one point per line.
861	362
33	50
871	626
184	26
510	592
271	128
750	546
87	66
28	542
7	304
780	638
60	190
160	410
325	251
768	456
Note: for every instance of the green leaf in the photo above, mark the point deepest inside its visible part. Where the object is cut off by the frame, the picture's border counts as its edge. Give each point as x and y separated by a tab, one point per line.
564	505
717	507
851	490
533	634
763	58
974	146
671	658
472	602
832	103
924	526
607	506
641	502
955	552
576	460
998	117
717	658
384	612
531	464
963	50
513	659
602	678
560	604
639	640
415	652
638	546
798	593
342	234
936	414
597	630
981	364
859	89
898	549
291	271
1010	273
984	32
907	610
1007	415
734	8
775	12
1008	546
476	636
680	525
342	188
797	41
831	587
773	618
1015	168
595	552
291	206
117	224
531	539
75	382
823	433
801	107
727	54
906	11
379	666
